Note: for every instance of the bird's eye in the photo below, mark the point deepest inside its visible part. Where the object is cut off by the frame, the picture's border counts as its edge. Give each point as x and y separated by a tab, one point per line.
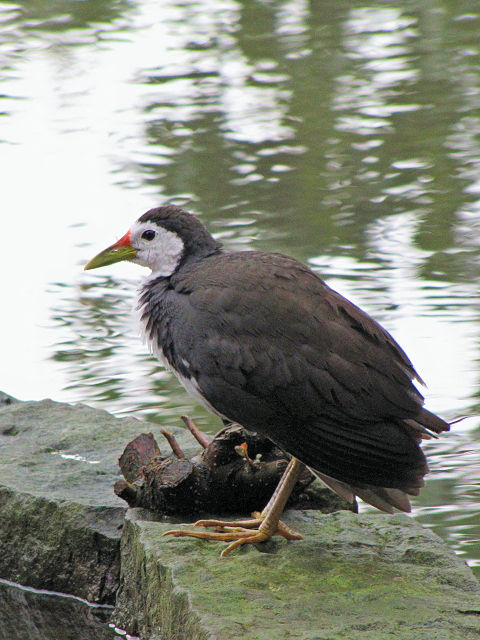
149	234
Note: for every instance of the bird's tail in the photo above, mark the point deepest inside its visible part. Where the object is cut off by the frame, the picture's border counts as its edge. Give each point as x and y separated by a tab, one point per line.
381	463
425	425
383	498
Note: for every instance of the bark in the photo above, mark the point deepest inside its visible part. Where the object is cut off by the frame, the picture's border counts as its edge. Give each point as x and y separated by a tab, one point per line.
236	472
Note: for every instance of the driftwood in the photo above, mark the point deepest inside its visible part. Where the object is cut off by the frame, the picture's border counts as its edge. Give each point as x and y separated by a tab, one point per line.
236	472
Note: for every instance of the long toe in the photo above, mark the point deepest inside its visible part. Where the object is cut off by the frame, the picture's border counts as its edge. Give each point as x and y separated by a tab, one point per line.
235	532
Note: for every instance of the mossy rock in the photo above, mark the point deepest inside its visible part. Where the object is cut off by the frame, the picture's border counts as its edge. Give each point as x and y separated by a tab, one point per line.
28	614
61	521
368	577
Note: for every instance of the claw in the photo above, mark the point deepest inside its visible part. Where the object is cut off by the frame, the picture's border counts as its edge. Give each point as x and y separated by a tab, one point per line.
236	532
260	527
246	524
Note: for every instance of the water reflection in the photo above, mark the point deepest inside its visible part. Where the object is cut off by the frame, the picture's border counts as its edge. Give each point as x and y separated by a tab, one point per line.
342	133
450	502
99	348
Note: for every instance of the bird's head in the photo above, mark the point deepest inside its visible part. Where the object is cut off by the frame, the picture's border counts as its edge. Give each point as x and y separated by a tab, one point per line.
161	239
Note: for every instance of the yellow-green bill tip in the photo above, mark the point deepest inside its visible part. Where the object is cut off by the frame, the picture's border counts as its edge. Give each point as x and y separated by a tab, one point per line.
115	253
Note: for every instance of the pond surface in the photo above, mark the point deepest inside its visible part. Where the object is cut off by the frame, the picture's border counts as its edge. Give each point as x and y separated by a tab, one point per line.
346	134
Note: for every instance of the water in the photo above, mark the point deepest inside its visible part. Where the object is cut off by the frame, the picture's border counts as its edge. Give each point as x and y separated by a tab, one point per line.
343	133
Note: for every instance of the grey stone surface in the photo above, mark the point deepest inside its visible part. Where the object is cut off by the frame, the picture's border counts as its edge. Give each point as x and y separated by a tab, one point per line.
28	614
68	452
60	521
368	577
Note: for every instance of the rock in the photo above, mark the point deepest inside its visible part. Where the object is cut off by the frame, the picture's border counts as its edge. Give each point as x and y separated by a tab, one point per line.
368	577
60	546
61	521
28	614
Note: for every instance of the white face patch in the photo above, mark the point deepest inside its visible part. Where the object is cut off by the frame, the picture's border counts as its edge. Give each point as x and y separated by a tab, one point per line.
157	248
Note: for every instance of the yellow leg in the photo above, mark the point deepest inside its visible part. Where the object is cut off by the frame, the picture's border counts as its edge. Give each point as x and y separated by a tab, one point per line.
261	527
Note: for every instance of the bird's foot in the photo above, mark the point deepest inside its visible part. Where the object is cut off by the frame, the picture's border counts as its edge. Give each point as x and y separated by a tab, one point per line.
251	531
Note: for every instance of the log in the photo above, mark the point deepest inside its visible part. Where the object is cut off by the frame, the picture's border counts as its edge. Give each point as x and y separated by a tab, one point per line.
236	472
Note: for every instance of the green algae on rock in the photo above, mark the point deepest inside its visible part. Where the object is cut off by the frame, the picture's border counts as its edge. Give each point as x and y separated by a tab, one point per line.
369	576
61	521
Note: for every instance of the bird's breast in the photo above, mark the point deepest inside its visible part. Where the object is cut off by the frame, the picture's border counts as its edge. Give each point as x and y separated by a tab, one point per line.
153	319
149	332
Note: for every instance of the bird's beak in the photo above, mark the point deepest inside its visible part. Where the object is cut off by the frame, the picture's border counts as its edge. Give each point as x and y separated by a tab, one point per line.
121	250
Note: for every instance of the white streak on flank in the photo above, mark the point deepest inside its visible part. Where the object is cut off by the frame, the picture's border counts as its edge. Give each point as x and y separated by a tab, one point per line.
192	388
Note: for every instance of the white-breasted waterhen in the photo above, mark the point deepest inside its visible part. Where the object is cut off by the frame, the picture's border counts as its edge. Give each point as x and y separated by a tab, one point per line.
261	340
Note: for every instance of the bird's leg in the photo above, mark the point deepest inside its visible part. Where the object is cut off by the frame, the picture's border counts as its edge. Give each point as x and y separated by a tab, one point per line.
261	527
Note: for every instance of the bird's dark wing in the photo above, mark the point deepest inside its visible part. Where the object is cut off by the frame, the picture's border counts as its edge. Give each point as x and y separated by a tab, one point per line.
272	347
266	324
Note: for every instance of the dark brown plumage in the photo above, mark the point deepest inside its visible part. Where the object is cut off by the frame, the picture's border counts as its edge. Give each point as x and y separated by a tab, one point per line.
261	340
269	345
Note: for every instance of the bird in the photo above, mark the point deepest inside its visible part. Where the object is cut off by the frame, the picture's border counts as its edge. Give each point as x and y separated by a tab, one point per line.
261	340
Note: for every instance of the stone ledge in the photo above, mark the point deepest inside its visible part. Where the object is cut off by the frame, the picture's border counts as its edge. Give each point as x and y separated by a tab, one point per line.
370	576
60	521
60	545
